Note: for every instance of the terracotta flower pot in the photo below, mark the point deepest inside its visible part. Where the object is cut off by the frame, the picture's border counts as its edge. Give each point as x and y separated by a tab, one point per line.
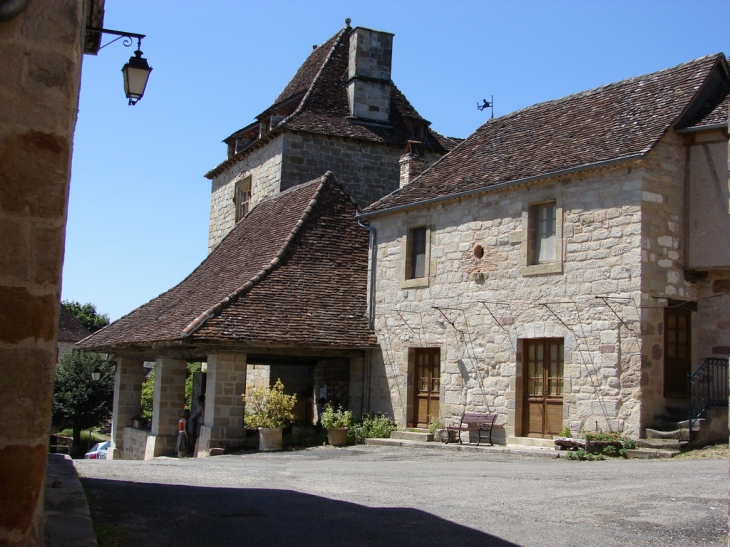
337	436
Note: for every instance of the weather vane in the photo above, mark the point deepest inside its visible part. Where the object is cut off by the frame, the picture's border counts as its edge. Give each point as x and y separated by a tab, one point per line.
487	104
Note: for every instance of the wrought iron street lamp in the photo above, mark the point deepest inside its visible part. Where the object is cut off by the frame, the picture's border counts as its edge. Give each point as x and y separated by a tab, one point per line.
137	71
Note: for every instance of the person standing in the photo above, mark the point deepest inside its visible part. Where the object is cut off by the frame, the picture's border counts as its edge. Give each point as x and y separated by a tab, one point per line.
183	442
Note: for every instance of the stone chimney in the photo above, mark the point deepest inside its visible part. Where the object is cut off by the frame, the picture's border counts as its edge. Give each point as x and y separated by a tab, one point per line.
412	163
368	74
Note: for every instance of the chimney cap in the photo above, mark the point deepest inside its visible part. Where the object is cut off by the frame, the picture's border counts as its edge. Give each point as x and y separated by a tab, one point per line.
347	22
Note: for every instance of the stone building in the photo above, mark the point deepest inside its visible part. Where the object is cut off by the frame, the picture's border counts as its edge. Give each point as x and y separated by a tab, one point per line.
270	302
565	266
41	46
357	125
70	331
285	288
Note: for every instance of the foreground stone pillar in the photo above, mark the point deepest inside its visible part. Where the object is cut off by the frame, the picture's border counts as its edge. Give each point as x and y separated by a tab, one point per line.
223	423
128	381
41	53
169	402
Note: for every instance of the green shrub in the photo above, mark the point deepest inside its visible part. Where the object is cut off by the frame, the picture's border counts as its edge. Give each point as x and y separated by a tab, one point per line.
434	425
603	437
371	426
268	408
565	432
332	418
629	444
582	455
610	450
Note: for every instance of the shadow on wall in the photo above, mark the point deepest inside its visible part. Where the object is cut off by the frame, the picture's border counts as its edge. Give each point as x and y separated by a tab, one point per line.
382	392
159	514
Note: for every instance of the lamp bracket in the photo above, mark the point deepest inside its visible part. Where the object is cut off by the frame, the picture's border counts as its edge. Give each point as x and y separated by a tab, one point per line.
128	37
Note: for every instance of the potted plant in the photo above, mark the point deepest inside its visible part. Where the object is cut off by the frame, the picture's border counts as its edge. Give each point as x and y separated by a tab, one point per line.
268	410
337	423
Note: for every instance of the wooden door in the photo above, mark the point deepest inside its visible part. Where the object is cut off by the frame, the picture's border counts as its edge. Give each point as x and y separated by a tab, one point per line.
677	351
542	414
427	387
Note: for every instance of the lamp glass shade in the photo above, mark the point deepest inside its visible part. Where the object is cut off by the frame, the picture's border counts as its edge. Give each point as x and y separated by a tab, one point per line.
96	373
136	72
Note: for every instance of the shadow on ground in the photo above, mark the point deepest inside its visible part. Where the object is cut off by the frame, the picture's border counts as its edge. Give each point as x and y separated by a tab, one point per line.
169	515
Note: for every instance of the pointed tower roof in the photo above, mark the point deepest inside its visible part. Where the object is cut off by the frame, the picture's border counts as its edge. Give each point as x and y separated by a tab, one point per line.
315	101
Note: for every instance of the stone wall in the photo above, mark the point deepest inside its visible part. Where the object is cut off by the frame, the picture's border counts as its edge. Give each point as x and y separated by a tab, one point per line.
264	167
64	348
41	53
622	239
368	170
489	306
135	443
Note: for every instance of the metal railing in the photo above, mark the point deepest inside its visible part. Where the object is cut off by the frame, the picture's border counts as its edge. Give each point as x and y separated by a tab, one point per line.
707	386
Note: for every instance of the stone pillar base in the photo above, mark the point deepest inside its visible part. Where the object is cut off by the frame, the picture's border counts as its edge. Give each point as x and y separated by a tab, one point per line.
114	454
202	449
160	445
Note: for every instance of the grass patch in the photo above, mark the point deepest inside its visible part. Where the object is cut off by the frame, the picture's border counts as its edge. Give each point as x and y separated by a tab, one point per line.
716	451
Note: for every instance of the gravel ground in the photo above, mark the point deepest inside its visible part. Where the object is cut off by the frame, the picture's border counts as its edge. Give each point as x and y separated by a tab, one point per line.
381	495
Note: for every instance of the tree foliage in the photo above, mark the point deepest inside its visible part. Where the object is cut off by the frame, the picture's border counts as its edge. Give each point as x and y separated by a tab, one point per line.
148	396
79	402
87	314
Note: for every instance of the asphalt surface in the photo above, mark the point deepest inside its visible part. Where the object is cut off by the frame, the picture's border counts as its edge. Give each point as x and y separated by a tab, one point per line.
381	495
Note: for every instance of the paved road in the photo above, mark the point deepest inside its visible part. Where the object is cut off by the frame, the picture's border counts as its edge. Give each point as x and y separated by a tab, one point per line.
381	495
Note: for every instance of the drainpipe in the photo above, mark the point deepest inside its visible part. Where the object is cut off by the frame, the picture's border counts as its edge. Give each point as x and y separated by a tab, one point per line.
371	281
371	307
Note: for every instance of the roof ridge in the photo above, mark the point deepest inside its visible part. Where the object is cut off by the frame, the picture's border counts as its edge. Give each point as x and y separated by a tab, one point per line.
199	321
309	92
600	88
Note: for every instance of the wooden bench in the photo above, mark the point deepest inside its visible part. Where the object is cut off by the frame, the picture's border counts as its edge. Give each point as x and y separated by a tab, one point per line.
481	423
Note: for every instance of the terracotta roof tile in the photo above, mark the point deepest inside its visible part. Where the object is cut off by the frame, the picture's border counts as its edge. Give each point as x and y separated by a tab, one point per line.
620	120
274	268
70	329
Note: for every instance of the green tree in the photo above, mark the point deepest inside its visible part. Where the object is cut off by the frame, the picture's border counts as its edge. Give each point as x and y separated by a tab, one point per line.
148	395
79	402
87	314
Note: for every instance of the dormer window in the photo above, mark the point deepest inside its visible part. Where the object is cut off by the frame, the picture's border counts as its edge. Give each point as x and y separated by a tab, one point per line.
274	121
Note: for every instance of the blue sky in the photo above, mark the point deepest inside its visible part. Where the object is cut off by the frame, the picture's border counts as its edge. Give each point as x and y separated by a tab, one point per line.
139	204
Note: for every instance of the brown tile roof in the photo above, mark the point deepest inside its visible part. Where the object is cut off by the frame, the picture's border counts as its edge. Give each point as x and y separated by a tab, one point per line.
324	109
292	272
70	329
714	111
620	120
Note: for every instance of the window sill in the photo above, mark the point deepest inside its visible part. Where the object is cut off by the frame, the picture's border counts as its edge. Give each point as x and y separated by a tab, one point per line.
541	269
414	283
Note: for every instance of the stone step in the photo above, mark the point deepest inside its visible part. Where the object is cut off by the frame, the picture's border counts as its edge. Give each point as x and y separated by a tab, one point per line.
648	453
420	435
662	444
696	426
529	441
677	434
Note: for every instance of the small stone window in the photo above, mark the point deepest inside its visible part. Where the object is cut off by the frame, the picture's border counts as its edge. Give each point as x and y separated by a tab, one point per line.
242	197
416	254
542	238
543	232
